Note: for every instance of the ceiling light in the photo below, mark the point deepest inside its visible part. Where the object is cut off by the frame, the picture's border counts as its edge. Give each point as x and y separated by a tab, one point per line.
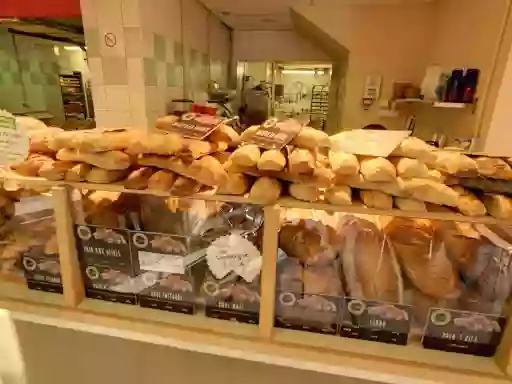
298	71
56	50
72	48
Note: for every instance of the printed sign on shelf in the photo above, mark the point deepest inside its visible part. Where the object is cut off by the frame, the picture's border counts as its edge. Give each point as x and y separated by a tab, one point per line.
376	321
160	258
274	134
231	299
313	313
106	263
14	142
195	125
463	332
41	270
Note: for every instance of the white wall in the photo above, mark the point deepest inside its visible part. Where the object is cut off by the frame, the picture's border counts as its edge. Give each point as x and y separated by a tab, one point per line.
386	40
274	46
61	356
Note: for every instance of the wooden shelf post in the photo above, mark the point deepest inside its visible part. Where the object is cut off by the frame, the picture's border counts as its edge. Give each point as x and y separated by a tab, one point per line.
268	270
71	274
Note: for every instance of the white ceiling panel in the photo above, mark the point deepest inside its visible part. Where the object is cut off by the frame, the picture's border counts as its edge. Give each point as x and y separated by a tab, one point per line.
272	14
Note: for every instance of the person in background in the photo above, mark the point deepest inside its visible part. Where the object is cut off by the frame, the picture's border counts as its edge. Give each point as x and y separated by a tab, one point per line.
375	126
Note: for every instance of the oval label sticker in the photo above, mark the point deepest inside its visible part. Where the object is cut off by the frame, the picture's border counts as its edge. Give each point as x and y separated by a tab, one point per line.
14	142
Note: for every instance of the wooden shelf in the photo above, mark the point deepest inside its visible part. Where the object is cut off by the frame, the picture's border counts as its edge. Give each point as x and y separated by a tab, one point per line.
434	104
285	202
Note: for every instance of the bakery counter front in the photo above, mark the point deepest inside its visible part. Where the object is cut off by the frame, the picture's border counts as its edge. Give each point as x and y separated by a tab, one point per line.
388	295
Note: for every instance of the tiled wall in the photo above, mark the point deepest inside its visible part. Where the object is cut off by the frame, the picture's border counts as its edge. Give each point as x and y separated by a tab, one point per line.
161	52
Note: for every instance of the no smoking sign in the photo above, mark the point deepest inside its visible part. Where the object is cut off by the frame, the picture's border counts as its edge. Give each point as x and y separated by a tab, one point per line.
110	39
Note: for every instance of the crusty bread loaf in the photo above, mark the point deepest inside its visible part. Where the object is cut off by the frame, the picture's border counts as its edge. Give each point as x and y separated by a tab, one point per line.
161	180
311	138
469	204
339	195
246	156
431	192
407	168
369	265
156	144
78	172
423	257
305	192
265	190
139	178
344	164
376	199
55	170
95	140
272	160
405	204
493	167
237	184
498	206
32	165
310	241
104	176
377	169
301	161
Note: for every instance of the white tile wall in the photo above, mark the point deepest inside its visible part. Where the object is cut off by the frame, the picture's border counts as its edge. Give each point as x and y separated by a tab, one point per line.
99	97
119	48
117	97
130	13
89	13
109	13
96	70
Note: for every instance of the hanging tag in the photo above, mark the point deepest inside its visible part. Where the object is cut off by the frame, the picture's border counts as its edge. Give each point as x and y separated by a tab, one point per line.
234	253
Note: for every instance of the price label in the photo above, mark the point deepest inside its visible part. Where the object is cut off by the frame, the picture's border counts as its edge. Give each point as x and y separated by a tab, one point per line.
377	321
274	134
463	332
14	142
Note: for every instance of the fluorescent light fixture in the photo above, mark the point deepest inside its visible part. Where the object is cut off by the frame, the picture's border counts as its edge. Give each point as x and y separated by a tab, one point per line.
56	50
298	71
72	48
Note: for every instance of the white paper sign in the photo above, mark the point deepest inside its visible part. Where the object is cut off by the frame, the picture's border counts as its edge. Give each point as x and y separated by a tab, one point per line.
368	142
233	253
14	142
159	262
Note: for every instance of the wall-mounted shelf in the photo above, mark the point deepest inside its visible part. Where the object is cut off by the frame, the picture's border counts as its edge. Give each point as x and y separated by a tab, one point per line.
434	104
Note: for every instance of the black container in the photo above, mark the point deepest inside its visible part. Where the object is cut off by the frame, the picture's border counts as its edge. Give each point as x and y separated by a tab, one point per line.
455	87
470	82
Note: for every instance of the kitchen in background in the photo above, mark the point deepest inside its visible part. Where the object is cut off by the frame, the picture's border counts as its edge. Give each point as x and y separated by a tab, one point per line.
44	71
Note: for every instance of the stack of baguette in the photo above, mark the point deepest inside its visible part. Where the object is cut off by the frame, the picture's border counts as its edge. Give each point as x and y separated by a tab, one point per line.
158	159
299	165
415	177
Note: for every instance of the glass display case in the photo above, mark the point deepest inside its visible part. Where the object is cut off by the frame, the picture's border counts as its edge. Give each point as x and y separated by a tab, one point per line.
175	254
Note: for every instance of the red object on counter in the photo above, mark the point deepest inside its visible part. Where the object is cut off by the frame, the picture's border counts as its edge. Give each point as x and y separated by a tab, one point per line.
39	8
209	110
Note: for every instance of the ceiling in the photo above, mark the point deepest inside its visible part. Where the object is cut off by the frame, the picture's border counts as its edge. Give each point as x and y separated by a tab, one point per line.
270	14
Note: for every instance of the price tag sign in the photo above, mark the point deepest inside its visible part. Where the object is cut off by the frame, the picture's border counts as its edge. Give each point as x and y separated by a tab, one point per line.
14	142
376	321
463	332
195	125
274	134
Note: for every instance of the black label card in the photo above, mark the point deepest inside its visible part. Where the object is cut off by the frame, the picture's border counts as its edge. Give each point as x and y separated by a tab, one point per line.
42	271
376	321
463	332
106	263
104	246
44	286
106	295
232	300
313	313
159	258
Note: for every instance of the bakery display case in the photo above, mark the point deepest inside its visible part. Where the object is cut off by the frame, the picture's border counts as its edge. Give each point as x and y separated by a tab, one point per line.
173	254
342	254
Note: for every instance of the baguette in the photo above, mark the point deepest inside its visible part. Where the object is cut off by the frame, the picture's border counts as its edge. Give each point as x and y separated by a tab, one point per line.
55	170
112	160
78	172
161	180
139	178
